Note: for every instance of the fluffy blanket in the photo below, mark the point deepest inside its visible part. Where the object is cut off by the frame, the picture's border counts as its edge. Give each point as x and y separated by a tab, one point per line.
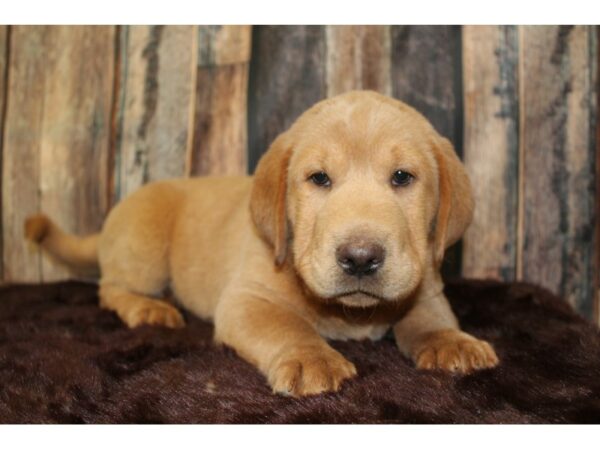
64	360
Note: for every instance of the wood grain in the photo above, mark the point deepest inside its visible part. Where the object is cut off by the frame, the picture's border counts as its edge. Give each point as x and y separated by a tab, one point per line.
221	45
491	149
21	150
4	42
358	57
557	79
155	104
596	243
287	76
57	133
220	118
426	74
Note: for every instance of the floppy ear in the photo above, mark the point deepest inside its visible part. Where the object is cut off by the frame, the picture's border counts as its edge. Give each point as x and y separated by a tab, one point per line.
455	208
268	198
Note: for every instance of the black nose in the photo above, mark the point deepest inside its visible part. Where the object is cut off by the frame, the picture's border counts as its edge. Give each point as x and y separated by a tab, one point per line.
360	258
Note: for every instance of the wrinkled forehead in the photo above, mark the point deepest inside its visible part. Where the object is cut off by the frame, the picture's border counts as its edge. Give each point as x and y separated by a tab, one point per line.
365	132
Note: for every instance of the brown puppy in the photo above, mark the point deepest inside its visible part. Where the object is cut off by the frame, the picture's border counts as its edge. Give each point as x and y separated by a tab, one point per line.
339	235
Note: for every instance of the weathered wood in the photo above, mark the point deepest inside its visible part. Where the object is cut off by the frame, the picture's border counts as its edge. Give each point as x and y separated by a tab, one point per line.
491	149
221	45
4	42
57	133
287	76
426	74
596	243
220	119
358	57
557	80
158	65
21	150
426	70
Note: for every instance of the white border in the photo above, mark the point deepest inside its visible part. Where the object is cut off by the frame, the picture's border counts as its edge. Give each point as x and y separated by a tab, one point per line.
300	12
291	437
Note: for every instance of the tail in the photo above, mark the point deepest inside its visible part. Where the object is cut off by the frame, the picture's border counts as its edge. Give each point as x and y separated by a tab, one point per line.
78	253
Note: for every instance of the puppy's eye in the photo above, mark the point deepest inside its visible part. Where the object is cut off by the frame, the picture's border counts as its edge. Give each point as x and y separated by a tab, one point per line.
402	178
320	179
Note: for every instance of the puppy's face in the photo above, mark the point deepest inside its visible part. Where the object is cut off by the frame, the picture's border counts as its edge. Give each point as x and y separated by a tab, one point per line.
361	175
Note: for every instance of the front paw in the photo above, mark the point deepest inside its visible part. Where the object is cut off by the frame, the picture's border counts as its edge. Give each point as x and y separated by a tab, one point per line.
155	313
309	370
454	351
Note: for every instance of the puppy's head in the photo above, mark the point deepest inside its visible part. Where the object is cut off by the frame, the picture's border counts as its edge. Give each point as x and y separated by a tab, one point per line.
361	195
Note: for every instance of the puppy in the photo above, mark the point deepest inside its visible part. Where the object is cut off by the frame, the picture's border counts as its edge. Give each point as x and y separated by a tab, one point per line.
339	235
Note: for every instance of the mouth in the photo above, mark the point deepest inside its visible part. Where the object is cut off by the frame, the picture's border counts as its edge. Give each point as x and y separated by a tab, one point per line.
359	298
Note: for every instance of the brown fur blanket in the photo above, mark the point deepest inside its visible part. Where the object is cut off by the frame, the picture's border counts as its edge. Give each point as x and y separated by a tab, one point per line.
63	360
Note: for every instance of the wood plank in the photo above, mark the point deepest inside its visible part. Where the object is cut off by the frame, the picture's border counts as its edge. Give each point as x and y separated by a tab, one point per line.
76	128
57	134
491	149
596	242
155	104
220	119
221	45
21	150
358	57
557	79
287	76
426	74
4	42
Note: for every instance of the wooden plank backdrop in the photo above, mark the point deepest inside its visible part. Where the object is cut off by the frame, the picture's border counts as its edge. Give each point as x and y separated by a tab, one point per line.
557	67
56	137
155	103
220	124
358	57
4	43
596	242
89	114
491	149
287	75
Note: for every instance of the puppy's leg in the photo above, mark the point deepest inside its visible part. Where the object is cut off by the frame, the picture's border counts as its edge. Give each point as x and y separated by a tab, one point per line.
284	347
134	275
136	309
430	335
133	253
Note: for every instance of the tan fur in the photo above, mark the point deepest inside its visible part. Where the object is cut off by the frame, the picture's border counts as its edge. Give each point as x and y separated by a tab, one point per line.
257	255
81	253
